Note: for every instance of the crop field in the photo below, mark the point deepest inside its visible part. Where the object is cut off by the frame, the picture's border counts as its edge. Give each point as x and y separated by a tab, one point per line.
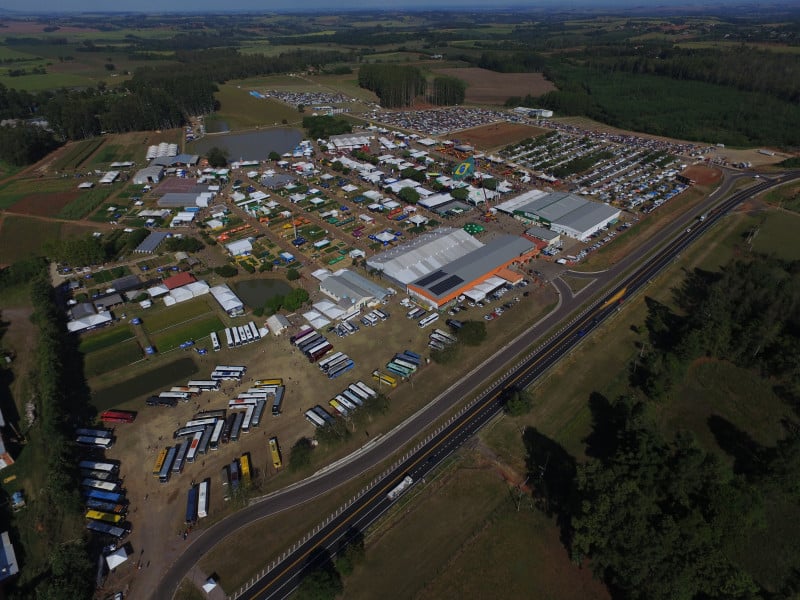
75	153
16	190
194	330
84	203
21	237
104	338
112	358
497	135
489	87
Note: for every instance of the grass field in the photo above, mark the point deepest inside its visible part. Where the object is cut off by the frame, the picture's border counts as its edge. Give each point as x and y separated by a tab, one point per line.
110	359
778	235
196	329
144	382
104	338
242	111
155	322
786	197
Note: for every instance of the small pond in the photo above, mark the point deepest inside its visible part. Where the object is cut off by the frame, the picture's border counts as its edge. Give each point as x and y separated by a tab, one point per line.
253	145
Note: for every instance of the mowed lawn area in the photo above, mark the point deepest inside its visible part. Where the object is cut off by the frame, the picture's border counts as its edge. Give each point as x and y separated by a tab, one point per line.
460	536
112	358
242	111
194	330
105	338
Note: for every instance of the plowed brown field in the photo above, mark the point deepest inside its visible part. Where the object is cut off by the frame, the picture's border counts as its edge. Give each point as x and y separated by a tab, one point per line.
44	205
489	87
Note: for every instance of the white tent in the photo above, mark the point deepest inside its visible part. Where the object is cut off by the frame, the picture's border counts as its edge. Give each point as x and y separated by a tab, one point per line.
116	558
210	585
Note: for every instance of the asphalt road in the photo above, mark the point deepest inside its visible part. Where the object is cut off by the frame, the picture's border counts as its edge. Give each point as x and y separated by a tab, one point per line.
390	443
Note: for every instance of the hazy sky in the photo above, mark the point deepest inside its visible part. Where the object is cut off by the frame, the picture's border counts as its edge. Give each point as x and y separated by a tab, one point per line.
286	5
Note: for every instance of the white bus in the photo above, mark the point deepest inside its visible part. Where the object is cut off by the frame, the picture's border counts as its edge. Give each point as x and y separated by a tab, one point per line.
254	330
242	402
108	486
238	369
248	418
366	388
236	340
95	465
423	323
446	335
202	500
203	422
344	402
245	334
204	385
97	442
315	419
191	453
329	359
216	434
215	341
358	391
229	337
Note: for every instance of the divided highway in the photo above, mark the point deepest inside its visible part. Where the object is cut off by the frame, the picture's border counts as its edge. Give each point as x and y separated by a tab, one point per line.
283	579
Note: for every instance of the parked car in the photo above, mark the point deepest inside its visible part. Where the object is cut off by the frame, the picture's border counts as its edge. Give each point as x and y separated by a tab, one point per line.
187	344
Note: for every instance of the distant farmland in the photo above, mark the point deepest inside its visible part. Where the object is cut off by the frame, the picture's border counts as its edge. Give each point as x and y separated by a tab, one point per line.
489	87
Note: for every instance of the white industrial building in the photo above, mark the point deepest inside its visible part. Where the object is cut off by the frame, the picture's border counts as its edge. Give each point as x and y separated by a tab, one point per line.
151	174
229	301
564	213
278	324
240	247
425	254
349	289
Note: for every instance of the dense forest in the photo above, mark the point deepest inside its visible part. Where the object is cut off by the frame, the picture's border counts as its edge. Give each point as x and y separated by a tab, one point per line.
660	517
446	91
396	86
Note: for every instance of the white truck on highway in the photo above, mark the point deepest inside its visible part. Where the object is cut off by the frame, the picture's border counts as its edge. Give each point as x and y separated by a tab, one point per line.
400	488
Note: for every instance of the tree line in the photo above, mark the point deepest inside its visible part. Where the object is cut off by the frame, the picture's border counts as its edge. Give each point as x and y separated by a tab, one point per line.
157	97
62	402
447	91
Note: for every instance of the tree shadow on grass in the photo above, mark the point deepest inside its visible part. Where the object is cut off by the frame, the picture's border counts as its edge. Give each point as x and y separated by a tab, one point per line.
748	455
551	474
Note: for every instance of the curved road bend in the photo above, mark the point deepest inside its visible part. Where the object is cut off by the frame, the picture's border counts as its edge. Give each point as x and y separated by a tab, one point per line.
390	443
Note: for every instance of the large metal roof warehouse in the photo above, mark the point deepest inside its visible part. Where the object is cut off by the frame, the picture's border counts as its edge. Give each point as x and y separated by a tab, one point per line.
564	213
425	254
472	269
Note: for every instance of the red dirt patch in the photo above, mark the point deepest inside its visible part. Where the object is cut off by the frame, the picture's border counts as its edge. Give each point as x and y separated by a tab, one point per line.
489	87
702	175
44	205
498	134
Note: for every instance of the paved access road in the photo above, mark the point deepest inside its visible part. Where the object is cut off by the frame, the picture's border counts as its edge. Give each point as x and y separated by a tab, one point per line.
410	429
